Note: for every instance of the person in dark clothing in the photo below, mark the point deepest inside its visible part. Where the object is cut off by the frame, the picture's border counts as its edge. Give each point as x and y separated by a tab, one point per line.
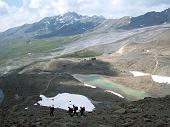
70	110
51	111
82	110
75	109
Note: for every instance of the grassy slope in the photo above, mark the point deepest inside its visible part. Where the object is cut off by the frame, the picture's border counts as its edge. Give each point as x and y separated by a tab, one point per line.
19	49
83	54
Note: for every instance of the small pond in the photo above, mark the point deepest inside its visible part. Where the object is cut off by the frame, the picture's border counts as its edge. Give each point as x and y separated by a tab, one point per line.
106	84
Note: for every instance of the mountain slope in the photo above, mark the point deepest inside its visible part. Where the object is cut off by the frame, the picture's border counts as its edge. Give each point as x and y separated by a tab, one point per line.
150	19
70	23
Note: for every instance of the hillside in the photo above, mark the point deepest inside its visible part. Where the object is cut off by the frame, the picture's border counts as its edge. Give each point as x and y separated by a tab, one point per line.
121	67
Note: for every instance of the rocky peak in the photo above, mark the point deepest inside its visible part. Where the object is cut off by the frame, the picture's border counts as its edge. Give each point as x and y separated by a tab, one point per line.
72	15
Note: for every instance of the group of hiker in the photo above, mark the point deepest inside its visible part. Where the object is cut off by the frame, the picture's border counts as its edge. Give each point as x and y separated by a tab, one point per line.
72	111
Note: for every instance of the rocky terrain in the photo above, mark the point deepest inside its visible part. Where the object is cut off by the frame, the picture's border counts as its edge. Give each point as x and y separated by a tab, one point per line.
120	65
148	112
23	86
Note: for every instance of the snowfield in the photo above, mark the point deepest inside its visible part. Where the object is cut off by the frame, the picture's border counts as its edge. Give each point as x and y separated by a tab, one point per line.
64	100
155	78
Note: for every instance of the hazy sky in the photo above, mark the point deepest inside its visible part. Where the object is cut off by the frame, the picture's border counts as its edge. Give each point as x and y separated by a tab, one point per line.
18	12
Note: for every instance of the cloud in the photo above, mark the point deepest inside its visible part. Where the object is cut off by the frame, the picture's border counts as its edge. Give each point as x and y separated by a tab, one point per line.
3	8
34	10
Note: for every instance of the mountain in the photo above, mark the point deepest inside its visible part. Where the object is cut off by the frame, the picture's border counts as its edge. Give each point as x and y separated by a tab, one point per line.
68	24
53	33
150	19
72	23
111	64
128	23
113	24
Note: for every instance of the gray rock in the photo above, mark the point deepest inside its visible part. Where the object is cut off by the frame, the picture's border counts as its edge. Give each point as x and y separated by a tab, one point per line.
147	120
134	110
168	119
131	106
120	111
127	124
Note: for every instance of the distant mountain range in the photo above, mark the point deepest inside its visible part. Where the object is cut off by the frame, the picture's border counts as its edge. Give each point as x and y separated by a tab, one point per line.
150	19
72	23
68	24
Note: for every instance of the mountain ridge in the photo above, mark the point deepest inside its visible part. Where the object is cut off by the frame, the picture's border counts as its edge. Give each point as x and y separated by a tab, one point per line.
67	24
72	23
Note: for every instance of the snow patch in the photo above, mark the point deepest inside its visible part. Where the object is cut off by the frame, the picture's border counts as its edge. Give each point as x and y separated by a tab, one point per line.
137	73
29	54
87	85
120	51
155	78
35	104
161	79
26	108
117	94
64	100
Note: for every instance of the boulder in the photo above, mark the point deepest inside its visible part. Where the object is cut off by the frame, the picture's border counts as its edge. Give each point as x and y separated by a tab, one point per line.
120	111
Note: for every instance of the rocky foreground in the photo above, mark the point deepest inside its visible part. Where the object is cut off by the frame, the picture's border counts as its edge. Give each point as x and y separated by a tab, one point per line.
149	112
23	87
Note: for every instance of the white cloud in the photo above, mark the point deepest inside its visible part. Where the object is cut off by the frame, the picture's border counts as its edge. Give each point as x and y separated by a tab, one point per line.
34	10
3	8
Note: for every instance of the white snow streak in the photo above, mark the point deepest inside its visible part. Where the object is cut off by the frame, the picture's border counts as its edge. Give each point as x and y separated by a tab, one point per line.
117	94
87	85
137	73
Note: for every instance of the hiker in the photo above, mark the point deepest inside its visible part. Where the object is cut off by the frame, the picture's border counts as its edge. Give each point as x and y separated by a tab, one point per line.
75	109
51	111
82	110
70	110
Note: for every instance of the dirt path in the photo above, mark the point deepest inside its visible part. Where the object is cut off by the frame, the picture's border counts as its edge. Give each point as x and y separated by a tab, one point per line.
49	82
156	63
121	50
30	97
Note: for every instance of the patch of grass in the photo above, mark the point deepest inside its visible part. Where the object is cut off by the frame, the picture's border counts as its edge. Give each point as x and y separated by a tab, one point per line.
83	54
20	49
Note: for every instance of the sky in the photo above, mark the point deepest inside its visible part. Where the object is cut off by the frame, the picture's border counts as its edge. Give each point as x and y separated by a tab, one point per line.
18	12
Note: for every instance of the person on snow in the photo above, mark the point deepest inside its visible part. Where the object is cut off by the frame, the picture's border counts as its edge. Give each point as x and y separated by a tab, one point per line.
51	111
70	110
75	109
82	110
